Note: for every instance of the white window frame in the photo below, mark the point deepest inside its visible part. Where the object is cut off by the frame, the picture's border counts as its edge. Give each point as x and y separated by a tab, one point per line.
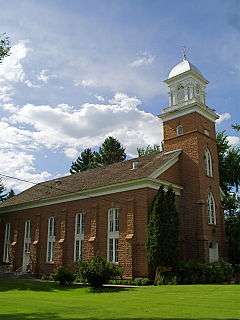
211	208
179	130
27	236
50	239
213	252
208	163
6	246
79	236
113	235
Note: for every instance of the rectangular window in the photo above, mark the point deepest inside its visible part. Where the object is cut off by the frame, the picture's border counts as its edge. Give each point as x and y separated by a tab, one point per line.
79	236
6	246
113	234
51	239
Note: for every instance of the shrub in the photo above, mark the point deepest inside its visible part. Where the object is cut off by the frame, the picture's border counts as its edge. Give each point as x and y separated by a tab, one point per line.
64	276
195	272
98	271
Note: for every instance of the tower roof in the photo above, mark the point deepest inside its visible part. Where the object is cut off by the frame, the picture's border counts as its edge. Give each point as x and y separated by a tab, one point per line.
183	67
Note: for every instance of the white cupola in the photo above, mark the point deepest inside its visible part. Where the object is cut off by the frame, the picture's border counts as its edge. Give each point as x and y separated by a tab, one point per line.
186	84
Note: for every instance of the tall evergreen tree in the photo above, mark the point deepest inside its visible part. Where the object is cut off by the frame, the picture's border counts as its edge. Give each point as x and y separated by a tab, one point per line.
86	160
111	151
163	230
3	193
4	46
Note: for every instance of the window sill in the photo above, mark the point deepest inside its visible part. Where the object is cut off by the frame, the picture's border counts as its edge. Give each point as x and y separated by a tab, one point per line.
50	262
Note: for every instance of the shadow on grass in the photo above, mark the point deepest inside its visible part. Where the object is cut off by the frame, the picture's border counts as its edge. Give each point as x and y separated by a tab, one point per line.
38	285
52	316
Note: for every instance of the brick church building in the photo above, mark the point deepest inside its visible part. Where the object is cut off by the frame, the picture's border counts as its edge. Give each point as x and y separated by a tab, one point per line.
104	211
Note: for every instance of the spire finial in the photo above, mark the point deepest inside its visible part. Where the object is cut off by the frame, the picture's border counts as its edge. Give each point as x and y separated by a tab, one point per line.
184	52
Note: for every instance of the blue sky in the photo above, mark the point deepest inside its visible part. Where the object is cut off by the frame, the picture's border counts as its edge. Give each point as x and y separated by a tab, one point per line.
82	70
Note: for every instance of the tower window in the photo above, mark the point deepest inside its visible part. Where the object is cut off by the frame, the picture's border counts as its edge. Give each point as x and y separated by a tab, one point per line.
179	130
211	209
208	163
180	93
113	234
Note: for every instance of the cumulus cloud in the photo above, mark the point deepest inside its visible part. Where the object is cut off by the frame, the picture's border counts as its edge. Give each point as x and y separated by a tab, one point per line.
44	76
21	166
143	60
223	117
85	83
234	140
71	128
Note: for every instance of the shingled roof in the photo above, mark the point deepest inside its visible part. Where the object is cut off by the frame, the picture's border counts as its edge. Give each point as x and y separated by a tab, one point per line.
94	178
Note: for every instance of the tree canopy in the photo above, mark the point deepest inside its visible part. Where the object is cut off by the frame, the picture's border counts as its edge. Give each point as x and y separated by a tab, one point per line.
162	240
4	46
111	151
148	150
86	160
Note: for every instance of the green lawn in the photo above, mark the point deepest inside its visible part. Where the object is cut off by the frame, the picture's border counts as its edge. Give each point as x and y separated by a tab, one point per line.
26	299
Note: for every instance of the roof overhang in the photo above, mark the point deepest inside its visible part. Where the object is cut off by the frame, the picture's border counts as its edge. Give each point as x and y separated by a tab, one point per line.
97	192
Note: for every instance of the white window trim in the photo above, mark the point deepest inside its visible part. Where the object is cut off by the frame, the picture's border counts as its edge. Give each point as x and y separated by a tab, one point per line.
27	236
211	209
6	246
79	236
50	239
114	235
213	252
208	163
179	130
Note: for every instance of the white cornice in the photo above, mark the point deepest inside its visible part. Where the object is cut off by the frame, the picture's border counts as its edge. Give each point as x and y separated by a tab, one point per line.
167	165
97	192
172	113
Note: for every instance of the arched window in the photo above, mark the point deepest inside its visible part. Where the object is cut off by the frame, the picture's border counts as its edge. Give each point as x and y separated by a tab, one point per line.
79	235
180	93
51	239
211	209
113	234
179	130
208	163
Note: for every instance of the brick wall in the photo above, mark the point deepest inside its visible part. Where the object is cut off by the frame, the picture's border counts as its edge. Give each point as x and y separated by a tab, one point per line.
197	233
133	221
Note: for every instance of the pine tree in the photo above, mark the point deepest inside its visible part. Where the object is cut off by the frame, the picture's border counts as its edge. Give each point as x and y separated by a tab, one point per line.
162	241
3	193
11	194
86	160
4	46
111	151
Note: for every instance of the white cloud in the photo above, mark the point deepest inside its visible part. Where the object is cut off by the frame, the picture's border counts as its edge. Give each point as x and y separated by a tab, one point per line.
143	60
12	71
20	165
44	76
70	129
233	140
85	83
99	98
71	152
11	68
223	117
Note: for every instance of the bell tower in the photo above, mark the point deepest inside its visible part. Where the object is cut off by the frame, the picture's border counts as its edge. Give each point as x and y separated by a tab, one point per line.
189	125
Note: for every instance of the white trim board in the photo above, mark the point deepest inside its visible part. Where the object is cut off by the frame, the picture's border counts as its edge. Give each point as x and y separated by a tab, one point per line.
97	192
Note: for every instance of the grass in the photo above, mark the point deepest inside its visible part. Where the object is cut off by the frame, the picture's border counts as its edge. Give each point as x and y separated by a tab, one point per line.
26	299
